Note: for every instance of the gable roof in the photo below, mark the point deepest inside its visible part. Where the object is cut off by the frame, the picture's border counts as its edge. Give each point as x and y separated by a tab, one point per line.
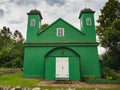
60	19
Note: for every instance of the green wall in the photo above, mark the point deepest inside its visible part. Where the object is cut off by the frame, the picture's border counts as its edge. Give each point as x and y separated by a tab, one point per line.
88	30
50	33
50	68
33	30
35	61
74	63
89	61
42	48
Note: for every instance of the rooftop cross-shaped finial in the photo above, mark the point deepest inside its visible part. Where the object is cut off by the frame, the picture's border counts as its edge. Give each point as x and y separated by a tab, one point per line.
85	3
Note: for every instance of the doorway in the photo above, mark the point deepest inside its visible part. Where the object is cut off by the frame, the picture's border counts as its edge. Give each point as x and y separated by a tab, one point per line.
62	68
62	64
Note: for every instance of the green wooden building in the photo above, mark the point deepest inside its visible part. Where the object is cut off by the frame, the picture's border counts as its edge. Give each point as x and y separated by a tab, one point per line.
61	51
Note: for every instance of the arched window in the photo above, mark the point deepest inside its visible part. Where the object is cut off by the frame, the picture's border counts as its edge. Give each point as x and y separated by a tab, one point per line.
32	22
88	21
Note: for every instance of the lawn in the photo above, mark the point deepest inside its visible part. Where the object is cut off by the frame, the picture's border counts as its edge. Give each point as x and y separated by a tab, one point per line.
14	80
17	80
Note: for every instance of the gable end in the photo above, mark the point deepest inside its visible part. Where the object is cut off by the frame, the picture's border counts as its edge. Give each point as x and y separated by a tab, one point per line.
40	32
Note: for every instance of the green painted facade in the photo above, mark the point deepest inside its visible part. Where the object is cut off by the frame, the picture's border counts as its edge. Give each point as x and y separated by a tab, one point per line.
42	47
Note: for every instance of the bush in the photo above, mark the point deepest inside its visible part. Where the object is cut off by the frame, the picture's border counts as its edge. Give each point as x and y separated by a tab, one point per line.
90	77
102	81
108	73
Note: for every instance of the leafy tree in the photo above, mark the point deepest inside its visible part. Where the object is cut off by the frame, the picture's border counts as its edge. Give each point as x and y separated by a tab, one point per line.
111	59
108	31
109	13
1	41
44	26
4	56
6	33
11	48
17	36
111	37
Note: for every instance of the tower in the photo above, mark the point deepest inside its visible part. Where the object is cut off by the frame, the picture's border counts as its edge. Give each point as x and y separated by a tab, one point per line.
87	24
34	22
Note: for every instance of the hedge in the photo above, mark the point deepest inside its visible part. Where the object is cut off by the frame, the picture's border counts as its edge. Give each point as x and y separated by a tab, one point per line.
102	81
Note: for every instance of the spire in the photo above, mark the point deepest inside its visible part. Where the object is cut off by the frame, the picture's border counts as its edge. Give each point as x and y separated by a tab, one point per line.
85	3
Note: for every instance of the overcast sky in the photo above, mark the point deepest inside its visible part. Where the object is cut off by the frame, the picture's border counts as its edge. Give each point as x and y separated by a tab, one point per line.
13	12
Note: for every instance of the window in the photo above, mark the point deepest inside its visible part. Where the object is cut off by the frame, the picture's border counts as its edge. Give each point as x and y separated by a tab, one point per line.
88	21
81	25
60	32
32	22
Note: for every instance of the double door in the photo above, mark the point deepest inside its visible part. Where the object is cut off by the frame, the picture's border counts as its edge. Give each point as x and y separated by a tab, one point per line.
62	68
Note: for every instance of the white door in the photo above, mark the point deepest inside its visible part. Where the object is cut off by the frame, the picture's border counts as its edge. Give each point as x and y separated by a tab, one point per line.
62	68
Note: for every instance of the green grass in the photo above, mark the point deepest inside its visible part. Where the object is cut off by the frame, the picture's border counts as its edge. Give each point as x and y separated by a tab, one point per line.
5	68
17	80
102	81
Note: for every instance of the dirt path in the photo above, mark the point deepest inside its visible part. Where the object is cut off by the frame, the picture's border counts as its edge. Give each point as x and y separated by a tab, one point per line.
77	84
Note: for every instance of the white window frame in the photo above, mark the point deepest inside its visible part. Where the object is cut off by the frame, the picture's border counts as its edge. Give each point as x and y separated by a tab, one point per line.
88	21
32	22
60	32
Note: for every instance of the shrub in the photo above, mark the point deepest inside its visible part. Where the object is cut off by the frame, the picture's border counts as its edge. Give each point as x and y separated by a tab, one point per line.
90	77
108	73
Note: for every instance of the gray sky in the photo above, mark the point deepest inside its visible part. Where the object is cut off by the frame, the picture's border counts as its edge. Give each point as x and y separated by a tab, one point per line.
13	12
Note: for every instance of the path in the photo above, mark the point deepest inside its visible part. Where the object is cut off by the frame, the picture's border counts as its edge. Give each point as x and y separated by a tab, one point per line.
77	84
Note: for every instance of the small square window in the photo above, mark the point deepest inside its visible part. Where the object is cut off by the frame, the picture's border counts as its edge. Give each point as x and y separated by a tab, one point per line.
88	21
60	32
32	22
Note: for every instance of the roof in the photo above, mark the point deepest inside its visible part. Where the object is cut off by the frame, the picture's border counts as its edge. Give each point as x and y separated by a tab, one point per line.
35	11
57	21
86	10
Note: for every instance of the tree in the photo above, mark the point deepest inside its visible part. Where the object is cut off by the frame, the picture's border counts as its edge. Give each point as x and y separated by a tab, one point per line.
11	48
109	14
5	32
6	35
18	50
111	59
44	26
108	31
111	37
17	36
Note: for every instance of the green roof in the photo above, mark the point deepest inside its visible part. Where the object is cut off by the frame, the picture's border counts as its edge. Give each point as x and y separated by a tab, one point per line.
57	21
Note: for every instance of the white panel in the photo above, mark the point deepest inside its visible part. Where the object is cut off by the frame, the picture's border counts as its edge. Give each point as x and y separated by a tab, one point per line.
62	67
